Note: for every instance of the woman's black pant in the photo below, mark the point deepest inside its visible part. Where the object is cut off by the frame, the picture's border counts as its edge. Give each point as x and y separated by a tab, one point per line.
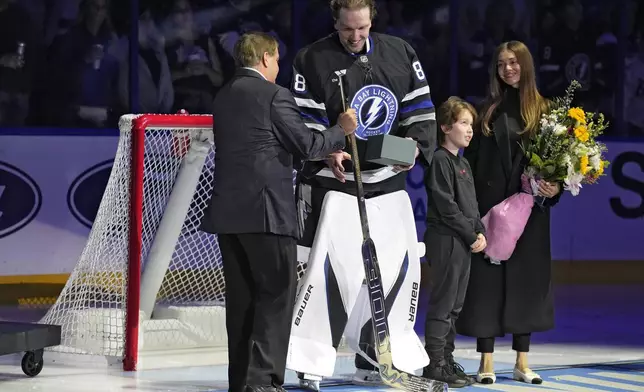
520	343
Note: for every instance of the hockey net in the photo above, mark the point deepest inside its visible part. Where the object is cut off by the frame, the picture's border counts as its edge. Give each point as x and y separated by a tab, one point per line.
148	278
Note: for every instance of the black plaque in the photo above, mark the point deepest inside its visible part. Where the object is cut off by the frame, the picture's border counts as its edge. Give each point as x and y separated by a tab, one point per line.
390	150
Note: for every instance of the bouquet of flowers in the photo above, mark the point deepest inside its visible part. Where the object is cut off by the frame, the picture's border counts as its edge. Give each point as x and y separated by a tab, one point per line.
564	150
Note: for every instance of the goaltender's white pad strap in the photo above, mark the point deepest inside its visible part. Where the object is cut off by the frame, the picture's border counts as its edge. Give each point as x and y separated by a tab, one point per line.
368	176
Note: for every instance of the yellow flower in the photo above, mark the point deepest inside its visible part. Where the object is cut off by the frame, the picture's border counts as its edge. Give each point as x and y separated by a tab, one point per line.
583	165
581	132
577	114
600	171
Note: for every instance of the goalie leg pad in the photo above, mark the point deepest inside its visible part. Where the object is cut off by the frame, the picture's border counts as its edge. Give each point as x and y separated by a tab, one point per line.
333	281
393	229
327	291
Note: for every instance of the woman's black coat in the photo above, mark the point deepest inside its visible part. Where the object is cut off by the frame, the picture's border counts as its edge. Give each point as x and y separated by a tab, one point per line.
516	296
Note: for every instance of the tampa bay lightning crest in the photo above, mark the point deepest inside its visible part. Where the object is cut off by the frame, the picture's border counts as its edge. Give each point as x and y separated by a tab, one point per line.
376	108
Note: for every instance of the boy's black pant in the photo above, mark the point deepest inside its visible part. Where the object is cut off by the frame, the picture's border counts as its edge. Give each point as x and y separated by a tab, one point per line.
449	259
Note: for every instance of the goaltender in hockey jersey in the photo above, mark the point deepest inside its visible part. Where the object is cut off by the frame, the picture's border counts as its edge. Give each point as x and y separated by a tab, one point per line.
387	87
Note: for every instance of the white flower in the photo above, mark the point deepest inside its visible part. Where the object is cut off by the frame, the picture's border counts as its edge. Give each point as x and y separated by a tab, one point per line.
572	182
595	161
579	149
560	129
567	161
547	124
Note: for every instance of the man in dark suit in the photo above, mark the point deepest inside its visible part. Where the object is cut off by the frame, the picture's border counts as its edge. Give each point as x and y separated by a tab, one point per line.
258	133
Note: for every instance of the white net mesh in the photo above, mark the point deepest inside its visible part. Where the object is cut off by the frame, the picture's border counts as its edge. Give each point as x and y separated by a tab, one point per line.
188	305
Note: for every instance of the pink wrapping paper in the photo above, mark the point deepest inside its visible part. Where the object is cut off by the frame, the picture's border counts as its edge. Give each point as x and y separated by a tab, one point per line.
505	222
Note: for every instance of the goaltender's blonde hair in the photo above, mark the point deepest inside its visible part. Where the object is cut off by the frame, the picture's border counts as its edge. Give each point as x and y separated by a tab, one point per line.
337	5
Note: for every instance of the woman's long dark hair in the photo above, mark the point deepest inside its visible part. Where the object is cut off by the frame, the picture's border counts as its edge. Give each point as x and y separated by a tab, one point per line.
533	104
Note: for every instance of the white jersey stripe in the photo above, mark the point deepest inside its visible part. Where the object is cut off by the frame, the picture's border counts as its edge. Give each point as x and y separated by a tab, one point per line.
416	93
309	103
420	117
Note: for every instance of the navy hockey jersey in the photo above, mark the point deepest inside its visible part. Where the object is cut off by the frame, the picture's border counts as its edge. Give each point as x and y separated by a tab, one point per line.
386	85
564	56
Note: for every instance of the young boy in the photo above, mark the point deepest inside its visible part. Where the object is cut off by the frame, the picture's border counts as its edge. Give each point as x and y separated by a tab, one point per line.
454	230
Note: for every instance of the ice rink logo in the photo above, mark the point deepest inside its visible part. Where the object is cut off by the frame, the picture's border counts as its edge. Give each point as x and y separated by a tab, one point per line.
20	199
85	193
377	109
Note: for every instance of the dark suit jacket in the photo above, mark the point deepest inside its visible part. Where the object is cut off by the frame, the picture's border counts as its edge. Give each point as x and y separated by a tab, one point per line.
258	133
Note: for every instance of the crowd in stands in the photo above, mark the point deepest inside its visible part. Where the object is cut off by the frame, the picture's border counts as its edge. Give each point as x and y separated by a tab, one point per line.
66	63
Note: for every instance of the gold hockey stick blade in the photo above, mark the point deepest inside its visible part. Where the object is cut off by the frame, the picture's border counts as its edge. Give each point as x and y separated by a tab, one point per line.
408	382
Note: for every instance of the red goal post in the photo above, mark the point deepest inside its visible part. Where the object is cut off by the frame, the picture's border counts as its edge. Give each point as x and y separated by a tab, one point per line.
180	144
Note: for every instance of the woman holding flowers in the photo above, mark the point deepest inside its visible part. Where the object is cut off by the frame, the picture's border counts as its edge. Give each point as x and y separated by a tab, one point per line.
513	296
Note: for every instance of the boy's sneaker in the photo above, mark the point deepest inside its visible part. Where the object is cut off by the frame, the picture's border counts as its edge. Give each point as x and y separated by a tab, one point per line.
460	371
309	382
367	377
443	371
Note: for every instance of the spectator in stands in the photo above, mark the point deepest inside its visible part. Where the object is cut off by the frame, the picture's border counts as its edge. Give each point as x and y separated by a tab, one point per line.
194	63
318	27
18	51
381	22
82	76
405	21
436	62
156	93
279	20
497	28
604	78
634	10
472	65
634	87
50	17
567	53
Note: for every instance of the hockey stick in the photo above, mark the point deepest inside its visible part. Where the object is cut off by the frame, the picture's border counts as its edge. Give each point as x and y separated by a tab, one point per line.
388	373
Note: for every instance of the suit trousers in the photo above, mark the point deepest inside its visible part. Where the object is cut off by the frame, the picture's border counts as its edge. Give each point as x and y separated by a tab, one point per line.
449	259
260	272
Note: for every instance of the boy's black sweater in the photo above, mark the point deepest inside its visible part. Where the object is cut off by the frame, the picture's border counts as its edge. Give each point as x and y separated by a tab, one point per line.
452	207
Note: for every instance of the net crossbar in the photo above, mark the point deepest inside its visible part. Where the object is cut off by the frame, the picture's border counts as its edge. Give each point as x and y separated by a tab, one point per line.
148	278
